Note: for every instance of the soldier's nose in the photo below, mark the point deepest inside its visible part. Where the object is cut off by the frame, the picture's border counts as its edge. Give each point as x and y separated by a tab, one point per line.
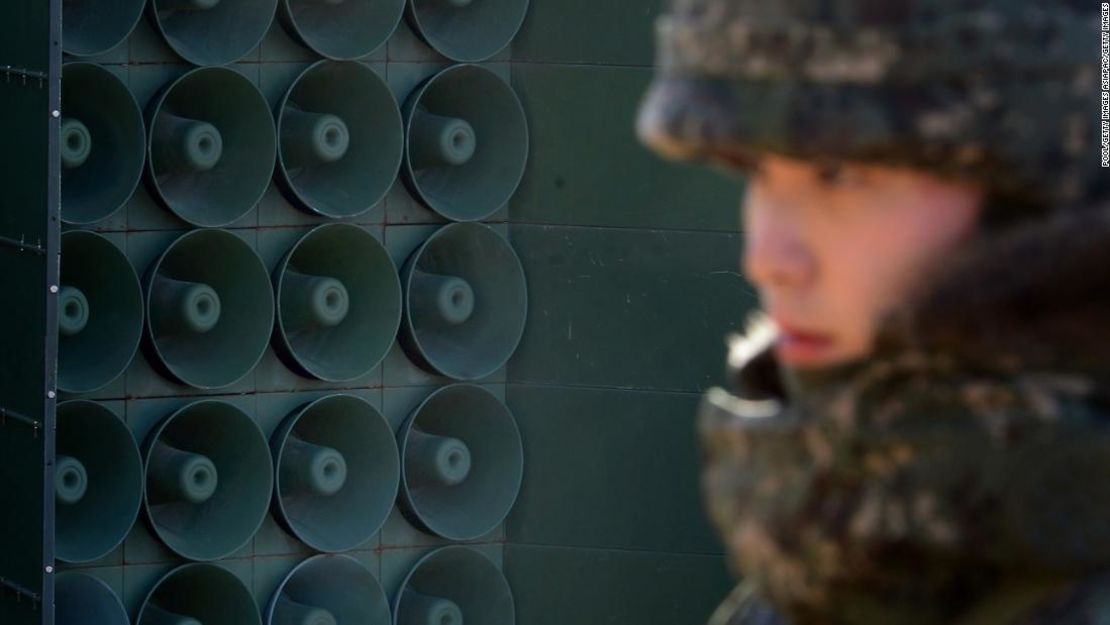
775	253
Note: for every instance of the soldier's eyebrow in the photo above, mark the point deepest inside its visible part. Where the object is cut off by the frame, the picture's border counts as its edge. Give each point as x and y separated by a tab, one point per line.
841	173
829	172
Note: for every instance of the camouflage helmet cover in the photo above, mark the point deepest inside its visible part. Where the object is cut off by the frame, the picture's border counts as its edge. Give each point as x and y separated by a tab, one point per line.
1003	92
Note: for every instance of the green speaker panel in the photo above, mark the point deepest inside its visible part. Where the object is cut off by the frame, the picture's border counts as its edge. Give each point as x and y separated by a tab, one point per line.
102	143
286	180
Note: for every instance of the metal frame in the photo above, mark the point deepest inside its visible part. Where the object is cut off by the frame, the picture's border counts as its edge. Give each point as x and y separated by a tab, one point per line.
22	419
53	257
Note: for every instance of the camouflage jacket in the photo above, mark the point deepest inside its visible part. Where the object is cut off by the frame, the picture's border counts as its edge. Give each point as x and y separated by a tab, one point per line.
958	475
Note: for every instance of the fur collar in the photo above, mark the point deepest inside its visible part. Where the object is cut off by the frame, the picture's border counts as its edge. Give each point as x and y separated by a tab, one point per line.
1033	297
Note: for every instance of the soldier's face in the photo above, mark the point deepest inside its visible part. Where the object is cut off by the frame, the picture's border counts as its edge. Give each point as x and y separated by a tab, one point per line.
831	249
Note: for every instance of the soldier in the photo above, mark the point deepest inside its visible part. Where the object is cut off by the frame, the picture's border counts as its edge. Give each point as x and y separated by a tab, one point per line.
917	424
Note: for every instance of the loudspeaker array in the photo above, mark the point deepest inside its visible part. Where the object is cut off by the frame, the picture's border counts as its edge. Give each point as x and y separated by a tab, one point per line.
205	310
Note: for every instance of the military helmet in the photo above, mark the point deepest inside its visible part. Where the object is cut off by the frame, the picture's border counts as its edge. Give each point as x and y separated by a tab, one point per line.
1006	93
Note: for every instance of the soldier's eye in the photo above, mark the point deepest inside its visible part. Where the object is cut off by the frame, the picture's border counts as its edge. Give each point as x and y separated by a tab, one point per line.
840	175
748	171
829	173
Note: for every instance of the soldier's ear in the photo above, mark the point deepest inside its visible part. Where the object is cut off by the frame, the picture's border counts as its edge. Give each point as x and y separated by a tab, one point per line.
737	164
1000	212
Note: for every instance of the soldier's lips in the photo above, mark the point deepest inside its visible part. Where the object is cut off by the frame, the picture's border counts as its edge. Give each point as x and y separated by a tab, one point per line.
797	347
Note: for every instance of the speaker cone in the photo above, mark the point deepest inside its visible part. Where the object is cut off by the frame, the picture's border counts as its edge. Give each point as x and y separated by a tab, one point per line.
339	303
467	30
329	590
98	481
93	28
462	463
102	143
81	599
341	29
337	470
213	32
341	139
212	146
199	594
454	585
466	302
466	143
100	313
210	309
209	476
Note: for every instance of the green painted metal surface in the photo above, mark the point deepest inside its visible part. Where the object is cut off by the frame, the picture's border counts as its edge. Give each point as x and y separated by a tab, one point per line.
585	32
586	306
588	169
597	294
626	456
554	585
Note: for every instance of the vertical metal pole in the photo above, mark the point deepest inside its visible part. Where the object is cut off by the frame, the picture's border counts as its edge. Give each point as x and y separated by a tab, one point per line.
53	227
